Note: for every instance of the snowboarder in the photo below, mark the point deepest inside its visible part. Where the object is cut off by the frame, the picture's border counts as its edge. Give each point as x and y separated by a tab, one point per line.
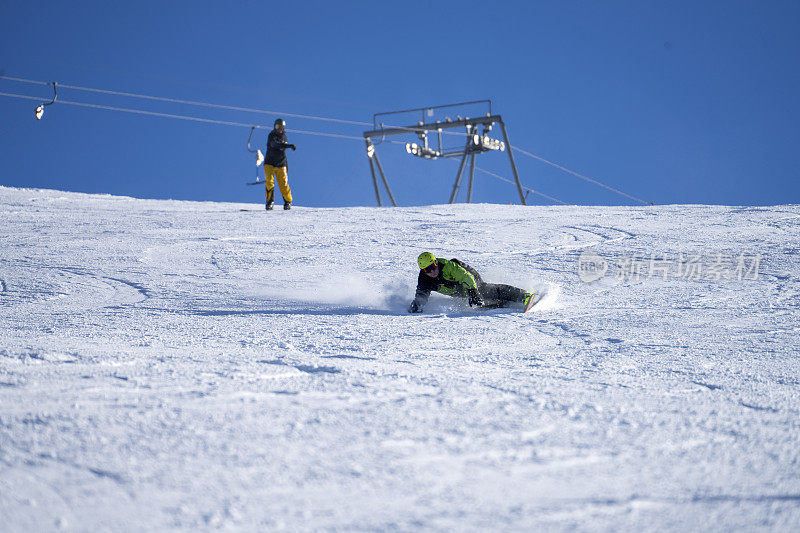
456	278
275	165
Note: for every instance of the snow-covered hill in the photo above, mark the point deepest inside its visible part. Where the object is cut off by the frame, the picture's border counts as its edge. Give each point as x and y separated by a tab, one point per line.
186	365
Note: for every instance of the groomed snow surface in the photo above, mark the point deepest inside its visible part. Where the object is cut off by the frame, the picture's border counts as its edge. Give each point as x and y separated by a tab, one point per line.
181	365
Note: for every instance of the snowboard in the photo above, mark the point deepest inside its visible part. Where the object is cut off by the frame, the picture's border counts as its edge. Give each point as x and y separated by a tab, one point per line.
535	299
501	304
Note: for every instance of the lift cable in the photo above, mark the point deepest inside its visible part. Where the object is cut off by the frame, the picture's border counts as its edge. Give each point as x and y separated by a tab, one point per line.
185	117
204	104
578	175
556	200
187	102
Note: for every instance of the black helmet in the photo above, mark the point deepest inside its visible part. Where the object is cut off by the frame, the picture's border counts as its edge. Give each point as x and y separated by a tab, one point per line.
280	122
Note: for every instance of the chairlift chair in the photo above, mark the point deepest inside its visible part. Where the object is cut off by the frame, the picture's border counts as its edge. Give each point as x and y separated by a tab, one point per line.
259	157
40	109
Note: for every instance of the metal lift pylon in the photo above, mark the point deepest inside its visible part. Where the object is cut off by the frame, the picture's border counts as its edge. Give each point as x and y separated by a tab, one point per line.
476	144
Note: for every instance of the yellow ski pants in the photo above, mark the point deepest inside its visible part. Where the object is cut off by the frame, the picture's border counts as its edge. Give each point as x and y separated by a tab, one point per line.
283	182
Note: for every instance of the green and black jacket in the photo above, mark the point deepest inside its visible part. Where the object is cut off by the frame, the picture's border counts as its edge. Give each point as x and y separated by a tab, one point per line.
453	279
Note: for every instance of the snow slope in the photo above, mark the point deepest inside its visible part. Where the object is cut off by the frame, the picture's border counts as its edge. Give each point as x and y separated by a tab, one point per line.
183	365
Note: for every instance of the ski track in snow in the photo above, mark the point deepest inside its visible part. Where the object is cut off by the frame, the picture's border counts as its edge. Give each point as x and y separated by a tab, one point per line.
188	365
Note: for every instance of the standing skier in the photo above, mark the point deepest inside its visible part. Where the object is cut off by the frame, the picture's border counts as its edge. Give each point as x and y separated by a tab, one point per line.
456	278
275	165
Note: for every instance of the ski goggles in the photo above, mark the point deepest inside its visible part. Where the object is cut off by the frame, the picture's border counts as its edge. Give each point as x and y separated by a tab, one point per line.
431	267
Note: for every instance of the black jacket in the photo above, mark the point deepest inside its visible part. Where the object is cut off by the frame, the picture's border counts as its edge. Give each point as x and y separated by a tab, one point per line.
276	149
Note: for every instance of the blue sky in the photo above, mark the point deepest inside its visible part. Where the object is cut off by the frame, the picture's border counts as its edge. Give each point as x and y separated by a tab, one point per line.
672	102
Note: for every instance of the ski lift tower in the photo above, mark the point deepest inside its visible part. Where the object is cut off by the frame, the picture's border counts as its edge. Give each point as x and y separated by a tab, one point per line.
478	141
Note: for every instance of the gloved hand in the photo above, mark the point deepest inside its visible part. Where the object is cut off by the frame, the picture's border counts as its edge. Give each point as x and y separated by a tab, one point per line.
414	308
293	147
475	298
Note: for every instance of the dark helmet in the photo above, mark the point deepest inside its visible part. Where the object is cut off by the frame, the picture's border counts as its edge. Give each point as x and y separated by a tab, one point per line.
280	122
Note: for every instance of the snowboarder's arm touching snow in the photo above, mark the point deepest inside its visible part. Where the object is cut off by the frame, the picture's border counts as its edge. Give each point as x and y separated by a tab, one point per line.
424	287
